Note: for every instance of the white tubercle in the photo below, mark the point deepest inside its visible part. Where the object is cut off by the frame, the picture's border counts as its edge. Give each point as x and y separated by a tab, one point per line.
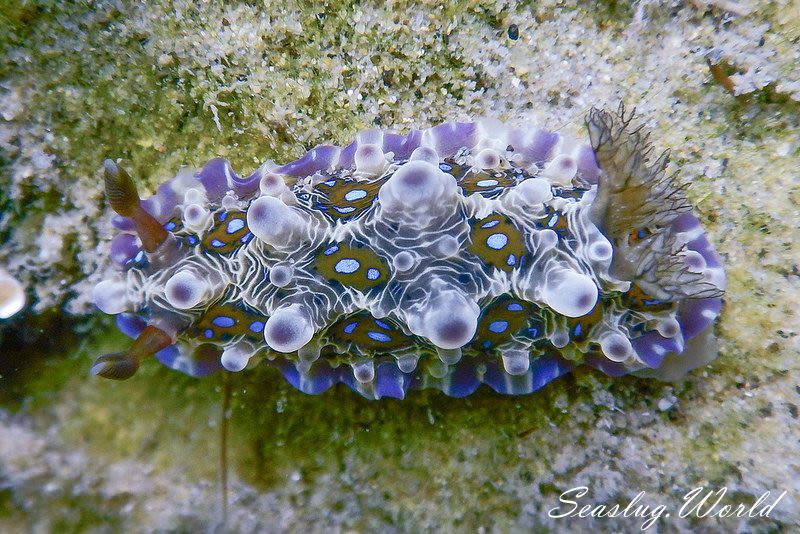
449	356
373	136
570	293
273	222
185	290
424	153
449	321
560	338
668	327
370	160
288	329
110	296
196	217
230	202
235	358
532	192
309	353
616	347
488	158
407	363
447	246
403	261
418	187
546	240
561	170
516	361
280	275
194	195
364	371
600	250
272	185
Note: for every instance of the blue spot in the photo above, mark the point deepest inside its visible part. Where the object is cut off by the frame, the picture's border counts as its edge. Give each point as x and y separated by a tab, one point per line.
553	220
379	336
382	325
373	274
209	333
497	241
534	332
355	194
349	328
487	183
490	224
346	266
192	240
223	216
653	302
511	259
234	226
247	237
217	243
487	344
346	209
257	326
330	183
331	249
640	234
498	327
514	307
223	322
445	167
170	226
577	330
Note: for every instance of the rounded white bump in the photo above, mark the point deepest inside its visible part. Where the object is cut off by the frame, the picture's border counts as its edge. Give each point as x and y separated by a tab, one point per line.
280	275
450	320
110	296
417	187
185	290
271	185
370	159
487	158
425	153
533	191
288	329
600	250
449	356
194	195
547	240
273	222
234	358
403	261
668	327
196	217
364	371
407	363
616	347
230	202
516	361
570	293
447	246
560	338
562	169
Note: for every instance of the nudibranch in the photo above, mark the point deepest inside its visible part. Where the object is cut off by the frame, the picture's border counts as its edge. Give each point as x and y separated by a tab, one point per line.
463	254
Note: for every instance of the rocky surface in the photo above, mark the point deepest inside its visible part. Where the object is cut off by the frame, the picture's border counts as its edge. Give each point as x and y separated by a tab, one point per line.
172	84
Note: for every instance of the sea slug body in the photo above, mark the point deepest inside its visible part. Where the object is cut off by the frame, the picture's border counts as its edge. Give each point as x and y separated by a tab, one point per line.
460	255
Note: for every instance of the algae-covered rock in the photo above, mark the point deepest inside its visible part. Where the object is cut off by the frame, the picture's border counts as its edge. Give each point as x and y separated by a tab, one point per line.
165	85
